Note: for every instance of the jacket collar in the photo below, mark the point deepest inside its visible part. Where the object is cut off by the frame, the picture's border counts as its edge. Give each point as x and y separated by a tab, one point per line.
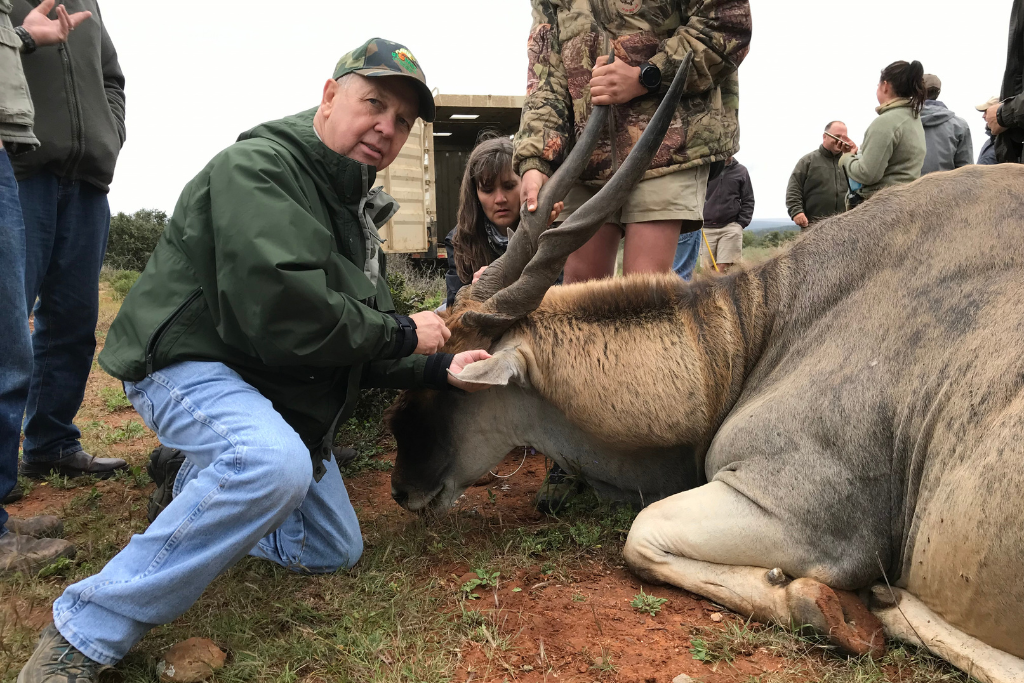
827	154
893	104
347	179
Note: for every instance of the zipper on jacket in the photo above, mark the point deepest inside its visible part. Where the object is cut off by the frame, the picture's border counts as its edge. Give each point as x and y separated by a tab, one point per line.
154	338
74	111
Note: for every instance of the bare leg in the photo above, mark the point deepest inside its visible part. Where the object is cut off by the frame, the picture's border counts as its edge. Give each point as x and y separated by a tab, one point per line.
714	542
596	259
650	247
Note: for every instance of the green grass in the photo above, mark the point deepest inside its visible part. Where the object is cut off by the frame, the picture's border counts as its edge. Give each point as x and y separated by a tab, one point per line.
120	281
645	602
114	399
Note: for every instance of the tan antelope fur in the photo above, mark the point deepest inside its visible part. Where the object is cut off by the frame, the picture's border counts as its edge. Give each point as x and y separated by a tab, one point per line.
853	405
849	412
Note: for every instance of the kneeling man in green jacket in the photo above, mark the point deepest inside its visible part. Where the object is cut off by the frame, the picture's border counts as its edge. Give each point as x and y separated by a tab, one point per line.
262	312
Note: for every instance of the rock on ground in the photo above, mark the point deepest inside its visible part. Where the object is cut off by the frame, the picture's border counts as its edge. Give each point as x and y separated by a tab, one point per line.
191	661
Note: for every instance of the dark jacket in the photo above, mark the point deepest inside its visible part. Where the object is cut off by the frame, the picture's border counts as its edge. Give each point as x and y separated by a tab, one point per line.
730	198
1010	143
78	92
947	139
987	155
497	243
15	103
817	186
261	268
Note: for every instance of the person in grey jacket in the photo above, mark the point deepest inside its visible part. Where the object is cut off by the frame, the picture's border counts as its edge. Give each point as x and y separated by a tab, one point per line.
20	549
78	92
946	135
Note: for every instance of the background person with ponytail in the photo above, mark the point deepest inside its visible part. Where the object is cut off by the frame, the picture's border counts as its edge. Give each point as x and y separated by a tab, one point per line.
894	146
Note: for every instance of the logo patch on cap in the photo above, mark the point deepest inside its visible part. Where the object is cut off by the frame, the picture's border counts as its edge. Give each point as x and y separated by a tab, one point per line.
405	59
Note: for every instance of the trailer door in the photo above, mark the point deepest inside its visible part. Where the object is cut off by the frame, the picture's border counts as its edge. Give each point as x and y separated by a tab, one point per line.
408	180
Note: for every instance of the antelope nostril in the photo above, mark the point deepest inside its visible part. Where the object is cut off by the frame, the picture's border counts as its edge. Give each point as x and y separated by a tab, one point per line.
401	497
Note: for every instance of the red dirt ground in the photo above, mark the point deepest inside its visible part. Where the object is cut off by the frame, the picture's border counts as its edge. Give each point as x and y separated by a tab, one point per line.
575	636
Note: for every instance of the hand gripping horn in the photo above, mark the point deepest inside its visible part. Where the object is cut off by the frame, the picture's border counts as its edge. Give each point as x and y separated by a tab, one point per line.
517	281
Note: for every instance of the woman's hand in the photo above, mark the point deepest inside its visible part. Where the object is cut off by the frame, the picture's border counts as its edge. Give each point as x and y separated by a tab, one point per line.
615	83
459	364
478	273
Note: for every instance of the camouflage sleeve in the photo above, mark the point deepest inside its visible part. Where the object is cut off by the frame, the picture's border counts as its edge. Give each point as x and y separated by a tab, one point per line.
545	129
717	32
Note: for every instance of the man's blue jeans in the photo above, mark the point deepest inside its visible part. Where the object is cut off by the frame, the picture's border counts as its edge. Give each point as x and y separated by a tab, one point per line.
15	346
246	487
66	226
686	254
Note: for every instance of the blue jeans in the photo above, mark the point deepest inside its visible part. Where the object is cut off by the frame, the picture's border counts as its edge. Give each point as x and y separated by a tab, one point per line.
66	226
246	487
15	345
686	254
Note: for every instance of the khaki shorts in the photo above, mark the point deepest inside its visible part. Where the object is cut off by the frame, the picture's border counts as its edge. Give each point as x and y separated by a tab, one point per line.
676	196
726	244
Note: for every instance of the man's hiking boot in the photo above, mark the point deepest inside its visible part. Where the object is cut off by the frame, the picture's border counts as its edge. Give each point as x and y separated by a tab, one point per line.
343	456
16	494
163	467
55	660
20	553
558	489
40	526
78	464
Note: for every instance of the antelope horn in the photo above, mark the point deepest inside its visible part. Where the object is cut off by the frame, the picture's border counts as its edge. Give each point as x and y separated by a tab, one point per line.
521	297
523	244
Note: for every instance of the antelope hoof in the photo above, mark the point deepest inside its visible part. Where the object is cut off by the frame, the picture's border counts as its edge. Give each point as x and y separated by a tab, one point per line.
838	614
775	577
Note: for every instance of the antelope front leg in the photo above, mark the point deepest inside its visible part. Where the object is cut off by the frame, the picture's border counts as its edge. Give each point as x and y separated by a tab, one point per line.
714	542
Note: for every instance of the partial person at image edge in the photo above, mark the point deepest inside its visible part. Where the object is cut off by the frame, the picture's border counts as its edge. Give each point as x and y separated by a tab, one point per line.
78	92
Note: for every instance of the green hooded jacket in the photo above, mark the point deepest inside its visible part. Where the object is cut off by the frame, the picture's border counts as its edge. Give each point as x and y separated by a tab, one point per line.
261	268
893	150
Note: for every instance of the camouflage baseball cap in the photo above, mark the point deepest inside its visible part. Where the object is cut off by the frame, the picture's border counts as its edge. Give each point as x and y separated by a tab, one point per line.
378	57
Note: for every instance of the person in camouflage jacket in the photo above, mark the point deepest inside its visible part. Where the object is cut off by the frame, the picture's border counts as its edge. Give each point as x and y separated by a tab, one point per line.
565	41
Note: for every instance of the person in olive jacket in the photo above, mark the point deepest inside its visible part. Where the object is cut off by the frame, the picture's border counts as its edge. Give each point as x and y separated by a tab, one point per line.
78	92
261	313
817	187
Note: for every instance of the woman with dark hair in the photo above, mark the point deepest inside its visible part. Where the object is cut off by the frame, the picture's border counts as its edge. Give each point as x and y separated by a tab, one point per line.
894	147
489	202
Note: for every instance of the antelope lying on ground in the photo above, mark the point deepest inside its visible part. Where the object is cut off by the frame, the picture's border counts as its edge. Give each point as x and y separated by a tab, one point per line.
847	415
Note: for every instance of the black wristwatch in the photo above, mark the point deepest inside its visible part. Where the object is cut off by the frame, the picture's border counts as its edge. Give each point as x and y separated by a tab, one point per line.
650	77
28	43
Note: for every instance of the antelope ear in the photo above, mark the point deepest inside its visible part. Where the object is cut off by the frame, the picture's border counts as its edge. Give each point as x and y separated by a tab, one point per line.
506	366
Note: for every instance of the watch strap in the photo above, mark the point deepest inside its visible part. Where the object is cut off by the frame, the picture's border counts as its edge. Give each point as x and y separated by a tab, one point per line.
28	43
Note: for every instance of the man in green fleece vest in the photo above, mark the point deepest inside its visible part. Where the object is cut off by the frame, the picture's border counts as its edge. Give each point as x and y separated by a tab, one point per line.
261	313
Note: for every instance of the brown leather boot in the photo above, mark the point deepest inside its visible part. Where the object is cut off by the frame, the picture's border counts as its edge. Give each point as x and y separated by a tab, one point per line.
20	553
40	526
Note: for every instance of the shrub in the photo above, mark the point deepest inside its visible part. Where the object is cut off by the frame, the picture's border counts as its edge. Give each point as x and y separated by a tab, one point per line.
120	282
767	240
133	238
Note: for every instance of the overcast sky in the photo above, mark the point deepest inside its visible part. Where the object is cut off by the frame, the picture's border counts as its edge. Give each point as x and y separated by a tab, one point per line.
199	73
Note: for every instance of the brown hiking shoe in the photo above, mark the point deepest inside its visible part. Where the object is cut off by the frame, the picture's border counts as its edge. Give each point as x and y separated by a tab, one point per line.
58	661
40	526
19	553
